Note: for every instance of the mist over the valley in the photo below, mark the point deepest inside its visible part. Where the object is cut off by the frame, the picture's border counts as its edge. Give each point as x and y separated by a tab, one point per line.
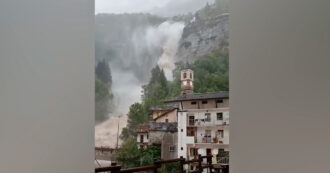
131	60
131	55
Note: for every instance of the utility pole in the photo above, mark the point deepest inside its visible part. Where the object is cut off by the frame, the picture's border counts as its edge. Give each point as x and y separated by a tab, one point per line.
118	131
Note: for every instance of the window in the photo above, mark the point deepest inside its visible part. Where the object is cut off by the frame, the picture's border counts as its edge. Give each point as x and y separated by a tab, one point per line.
190	75
207	117
219	116
181	130
193	103
204	102
147	136
220	132
191	120
219	101
208	133
172	148
166	120
207	137
193	152
190	131
184	75
181	148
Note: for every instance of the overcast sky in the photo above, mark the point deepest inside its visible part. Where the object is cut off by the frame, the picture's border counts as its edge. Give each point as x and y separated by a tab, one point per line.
159	7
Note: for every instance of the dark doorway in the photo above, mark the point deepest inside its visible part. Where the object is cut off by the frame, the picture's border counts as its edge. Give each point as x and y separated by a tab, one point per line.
209	152
141	138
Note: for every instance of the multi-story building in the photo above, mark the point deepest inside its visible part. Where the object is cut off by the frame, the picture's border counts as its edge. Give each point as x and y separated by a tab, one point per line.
202	121
203	124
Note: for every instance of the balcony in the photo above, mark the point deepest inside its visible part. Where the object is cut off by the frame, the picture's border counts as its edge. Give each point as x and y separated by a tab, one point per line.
190	140
223	158
210	140
203	123
207	139
208	145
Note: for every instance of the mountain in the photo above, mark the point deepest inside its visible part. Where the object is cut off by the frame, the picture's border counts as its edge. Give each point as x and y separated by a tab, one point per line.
206	31
136	42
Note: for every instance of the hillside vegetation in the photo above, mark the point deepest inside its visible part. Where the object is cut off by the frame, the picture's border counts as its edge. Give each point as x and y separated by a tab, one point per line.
103	94
211	75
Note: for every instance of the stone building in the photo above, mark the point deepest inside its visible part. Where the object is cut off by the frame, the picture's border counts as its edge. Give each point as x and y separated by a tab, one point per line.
160	134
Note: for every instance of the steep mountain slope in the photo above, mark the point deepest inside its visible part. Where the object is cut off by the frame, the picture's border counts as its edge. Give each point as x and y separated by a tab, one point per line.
207	31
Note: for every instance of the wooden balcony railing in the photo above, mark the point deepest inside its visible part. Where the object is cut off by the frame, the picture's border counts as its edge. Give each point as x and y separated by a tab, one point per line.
114	168
198	123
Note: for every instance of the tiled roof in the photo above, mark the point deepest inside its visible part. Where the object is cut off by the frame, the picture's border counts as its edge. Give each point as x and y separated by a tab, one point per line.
143	128
165	113
169	127
165	107
157	126
199	96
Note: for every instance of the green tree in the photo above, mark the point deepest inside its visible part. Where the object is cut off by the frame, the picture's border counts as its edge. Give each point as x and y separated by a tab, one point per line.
175	85
170	168
157	89
102	97
155	92
211	73
129	155
103	72
137	115
103	94
149	155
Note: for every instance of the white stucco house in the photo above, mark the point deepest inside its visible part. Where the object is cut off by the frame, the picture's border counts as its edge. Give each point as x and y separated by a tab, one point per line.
202	122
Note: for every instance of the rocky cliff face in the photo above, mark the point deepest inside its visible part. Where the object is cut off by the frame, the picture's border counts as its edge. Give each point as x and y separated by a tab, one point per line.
207	31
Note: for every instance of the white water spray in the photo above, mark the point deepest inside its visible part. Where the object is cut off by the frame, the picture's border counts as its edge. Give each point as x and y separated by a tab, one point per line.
151	46
167	35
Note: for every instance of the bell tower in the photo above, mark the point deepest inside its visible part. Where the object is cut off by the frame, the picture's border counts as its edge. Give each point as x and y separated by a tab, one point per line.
187	82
